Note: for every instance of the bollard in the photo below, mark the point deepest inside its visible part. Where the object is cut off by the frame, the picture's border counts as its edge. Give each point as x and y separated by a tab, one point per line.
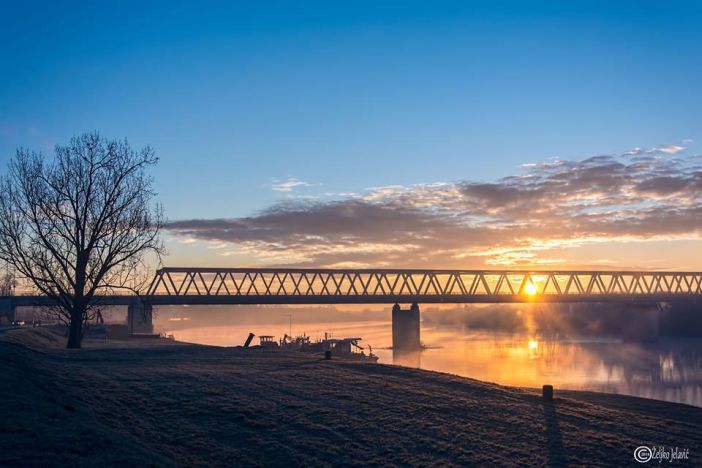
548	392
327	355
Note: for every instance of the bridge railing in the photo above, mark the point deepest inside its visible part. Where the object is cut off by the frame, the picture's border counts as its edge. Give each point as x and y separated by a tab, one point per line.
420	283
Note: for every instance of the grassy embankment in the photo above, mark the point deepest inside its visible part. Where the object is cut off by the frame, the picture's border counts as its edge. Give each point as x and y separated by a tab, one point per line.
152	402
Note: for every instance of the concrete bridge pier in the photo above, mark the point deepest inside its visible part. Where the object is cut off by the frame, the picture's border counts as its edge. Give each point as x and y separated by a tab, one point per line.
139	317
405	328
7	311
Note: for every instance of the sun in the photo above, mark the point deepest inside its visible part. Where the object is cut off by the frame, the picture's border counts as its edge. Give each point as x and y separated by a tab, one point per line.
530	289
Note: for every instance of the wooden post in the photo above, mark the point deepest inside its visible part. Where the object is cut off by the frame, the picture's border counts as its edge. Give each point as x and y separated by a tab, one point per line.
548	392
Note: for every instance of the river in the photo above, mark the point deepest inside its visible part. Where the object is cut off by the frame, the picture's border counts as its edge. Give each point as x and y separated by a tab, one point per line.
670	369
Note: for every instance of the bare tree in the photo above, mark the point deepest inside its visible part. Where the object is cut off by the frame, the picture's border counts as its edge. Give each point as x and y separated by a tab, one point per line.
79	225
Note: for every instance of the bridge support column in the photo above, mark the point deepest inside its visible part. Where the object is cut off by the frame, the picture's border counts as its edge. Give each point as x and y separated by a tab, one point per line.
7	311
405	328
139	318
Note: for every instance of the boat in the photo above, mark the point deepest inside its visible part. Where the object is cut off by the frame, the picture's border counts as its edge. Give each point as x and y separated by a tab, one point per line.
342	347
267	341
348	348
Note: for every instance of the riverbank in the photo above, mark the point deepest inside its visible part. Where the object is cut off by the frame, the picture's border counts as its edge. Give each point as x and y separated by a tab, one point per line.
161	403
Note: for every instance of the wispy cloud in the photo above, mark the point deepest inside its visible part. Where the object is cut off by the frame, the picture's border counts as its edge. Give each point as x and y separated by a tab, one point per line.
186	240
524	219
289	184
670	149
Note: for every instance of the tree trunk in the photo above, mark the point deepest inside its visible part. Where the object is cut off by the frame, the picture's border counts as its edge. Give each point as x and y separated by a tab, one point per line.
75	331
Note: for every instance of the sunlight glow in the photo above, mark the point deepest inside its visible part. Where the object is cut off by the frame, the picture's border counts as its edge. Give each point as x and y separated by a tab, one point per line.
533	344
530	289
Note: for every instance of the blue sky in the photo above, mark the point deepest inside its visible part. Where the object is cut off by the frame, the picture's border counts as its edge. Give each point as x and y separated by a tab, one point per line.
236	97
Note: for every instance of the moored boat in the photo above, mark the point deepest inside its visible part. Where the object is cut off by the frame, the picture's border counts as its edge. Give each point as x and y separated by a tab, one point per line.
340	347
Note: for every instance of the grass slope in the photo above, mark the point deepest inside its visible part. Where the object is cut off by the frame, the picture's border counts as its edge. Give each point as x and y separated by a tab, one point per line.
160	404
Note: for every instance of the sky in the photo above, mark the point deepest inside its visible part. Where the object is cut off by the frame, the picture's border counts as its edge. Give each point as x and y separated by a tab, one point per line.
473	134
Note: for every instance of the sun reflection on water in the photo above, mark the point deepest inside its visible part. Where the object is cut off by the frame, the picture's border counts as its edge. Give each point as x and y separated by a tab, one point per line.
667	370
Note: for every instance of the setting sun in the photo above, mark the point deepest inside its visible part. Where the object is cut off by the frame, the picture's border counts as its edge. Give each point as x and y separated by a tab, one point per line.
530	289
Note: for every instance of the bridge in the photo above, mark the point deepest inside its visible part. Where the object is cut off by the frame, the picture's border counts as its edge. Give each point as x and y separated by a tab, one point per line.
240	286
389	286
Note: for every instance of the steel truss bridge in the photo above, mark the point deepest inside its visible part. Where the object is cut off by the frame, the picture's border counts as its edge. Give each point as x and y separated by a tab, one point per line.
388	286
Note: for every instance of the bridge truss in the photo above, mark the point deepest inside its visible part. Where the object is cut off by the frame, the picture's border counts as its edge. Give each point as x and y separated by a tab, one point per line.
320	286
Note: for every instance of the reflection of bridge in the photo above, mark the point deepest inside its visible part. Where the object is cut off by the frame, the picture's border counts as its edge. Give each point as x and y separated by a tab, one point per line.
236	286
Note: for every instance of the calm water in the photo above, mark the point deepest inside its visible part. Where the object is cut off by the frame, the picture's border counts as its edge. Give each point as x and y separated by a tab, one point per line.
668	370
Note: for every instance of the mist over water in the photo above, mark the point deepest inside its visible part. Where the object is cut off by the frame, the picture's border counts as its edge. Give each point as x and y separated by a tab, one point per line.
667	369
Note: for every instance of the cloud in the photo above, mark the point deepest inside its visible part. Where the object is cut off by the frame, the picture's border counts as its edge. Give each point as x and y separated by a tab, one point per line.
524	219
186	240
670	149
289	185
